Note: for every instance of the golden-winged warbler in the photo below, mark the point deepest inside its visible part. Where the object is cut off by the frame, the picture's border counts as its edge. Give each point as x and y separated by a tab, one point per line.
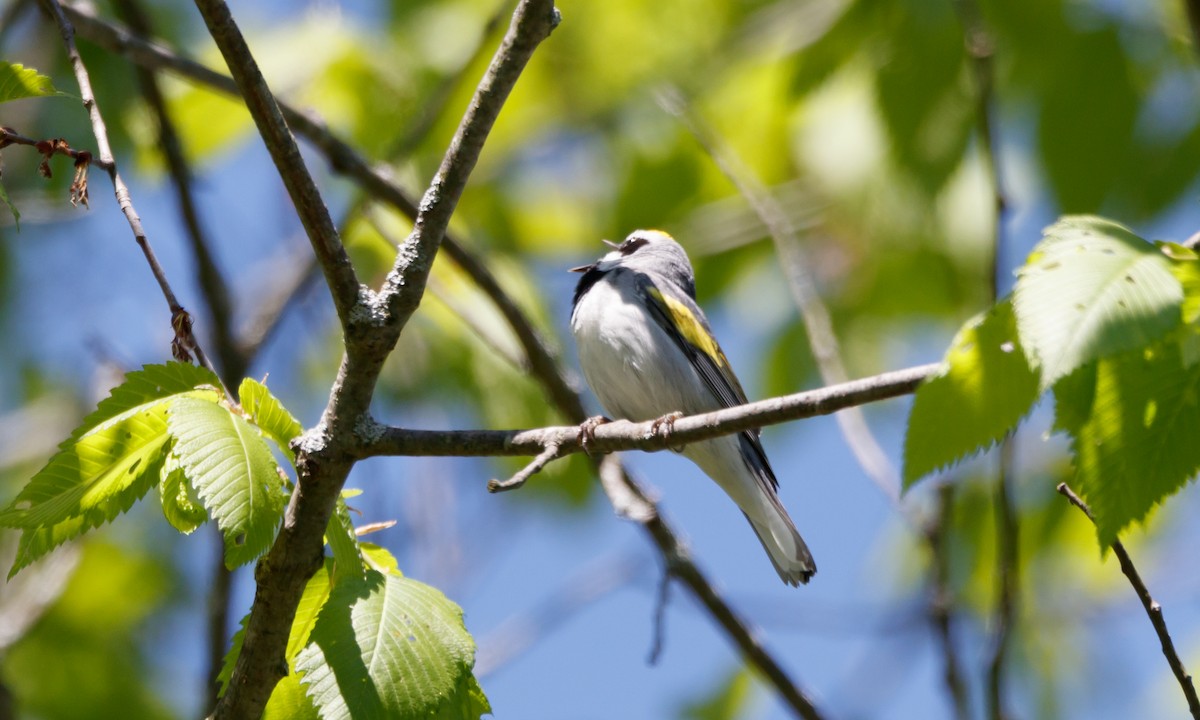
647	351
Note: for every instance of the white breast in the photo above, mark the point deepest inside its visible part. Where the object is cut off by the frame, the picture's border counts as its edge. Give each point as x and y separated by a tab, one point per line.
633	366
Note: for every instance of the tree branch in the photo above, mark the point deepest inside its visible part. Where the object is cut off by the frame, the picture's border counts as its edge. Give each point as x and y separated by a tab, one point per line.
372	325
335	263
624	435
1153	609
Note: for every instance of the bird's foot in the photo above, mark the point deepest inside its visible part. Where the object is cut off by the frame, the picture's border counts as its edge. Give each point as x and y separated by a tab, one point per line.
663	427
587	431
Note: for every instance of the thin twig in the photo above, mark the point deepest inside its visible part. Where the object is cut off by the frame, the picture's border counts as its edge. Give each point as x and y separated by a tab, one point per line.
49	148
817	322
1153	609
659	635
517	480
212	283
941	601
185	341
624	435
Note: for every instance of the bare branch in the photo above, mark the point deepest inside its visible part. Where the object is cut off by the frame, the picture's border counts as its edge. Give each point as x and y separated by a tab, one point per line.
1153	609
181	322
550	453
208	275
335	263
624	435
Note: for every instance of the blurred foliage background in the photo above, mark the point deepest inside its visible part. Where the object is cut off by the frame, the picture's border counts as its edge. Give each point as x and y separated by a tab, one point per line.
861	118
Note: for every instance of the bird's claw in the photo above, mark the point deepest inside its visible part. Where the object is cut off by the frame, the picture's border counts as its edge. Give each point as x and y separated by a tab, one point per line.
587	431
663	427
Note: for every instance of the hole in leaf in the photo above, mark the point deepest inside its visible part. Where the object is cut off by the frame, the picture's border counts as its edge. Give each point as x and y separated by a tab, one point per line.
1006	347
240	540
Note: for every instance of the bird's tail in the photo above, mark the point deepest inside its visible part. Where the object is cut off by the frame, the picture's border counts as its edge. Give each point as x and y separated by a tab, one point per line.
787	550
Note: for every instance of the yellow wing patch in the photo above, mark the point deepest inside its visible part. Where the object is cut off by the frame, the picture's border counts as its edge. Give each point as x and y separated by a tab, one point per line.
690	327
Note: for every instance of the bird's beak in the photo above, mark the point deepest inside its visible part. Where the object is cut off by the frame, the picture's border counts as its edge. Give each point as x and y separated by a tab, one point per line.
582	268
611	244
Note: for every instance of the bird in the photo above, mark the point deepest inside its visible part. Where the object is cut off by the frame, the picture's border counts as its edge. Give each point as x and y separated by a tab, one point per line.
648	353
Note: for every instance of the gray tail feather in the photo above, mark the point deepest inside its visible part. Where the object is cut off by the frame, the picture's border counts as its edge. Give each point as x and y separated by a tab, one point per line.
800	564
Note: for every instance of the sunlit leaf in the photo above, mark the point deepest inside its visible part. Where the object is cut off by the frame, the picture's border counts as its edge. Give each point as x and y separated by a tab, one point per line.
387	646
1091	289
234	473
18	81
269	415
347	558
984	387
181	505
1132	420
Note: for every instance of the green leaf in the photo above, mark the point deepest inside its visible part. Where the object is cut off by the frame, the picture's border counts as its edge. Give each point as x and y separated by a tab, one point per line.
11	208
153	382
984	387
288	701
84	478
1091	289
18	81
1132	419
347	556
269	415
378	558
1087	116
922	98
232	469
108	462
388	646
235	649
181	505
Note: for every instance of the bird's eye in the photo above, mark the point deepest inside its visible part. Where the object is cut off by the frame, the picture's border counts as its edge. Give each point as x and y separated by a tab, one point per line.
631	245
